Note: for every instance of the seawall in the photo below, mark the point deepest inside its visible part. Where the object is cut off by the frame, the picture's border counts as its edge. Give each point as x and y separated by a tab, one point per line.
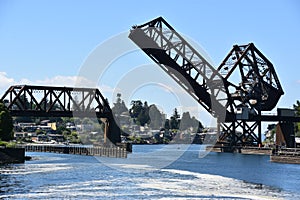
12	155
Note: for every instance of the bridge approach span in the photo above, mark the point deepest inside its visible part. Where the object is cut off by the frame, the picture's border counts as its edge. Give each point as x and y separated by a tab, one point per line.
48	101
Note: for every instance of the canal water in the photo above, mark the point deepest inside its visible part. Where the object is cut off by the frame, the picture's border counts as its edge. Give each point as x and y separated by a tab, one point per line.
151	172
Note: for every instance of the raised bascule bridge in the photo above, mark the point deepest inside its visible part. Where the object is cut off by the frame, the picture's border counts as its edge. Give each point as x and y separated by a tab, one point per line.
237	93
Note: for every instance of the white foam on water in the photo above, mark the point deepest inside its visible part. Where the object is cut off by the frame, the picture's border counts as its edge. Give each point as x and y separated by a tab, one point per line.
213	186
152	183
35	168
164	184
139	167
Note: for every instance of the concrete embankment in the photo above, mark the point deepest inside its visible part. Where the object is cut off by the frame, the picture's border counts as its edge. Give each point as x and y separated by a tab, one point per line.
12	155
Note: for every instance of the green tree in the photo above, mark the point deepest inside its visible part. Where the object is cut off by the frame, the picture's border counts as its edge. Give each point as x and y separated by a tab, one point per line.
136	108
174	121
119	107
188	122
167	124
297	125
197	124
46	105
139	112
120	112
156	118
143	117
6	124
297	107
86	120
22	103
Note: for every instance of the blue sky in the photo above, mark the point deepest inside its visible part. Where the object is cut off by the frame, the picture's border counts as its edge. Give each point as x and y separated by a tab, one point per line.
47	42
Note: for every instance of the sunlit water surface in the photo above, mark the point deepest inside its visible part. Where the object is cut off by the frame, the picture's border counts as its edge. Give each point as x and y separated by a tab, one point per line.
149	173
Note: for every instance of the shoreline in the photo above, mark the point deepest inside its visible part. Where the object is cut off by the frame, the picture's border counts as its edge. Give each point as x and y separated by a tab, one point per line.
12	155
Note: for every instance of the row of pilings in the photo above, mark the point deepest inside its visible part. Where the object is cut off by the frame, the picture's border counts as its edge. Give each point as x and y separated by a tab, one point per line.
286	155
114	151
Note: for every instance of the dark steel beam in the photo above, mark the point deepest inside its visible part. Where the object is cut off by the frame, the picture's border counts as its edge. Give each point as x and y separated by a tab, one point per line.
183	63
45	101
211	87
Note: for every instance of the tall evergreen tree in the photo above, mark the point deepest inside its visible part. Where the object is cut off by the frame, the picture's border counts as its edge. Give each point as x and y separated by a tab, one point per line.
297	125
297	107
136	108
119	107
174	122
143	117
22	102
6	124
167	124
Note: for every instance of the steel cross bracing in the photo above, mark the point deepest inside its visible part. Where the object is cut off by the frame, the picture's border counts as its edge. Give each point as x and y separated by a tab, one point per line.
258	89
183	63
215	89
55	101
44	101
246	136
257	81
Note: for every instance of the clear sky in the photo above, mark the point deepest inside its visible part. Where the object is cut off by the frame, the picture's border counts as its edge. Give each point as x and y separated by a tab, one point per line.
47	42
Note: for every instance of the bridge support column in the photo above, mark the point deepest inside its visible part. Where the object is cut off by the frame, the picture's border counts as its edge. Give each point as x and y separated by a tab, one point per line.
112	132
105	121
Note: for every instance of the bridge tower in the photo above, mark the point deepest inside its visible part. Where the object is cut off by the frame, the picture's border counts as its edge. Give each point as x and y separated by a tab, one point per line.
236	93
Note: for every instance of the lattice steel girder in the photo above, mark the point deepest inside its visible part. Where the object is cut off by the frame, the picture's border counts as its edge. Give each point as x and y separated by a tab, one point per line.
184	64
240	132
45	101
257	90
258	79
58	101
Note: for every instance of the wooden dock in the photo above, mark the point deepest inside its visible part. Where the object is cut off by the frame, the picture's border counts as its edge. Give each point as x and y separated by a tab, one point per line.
256	150
243	150
114	151
286	155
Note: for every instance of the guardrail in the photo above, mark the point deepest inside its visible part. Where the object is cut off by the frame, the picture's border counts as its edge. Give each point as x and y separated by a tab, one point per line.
287	152
286	155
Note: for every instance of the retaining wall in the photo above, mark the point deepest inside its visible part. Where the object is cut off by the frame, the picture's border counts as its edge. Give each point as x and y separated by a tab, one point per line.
12	155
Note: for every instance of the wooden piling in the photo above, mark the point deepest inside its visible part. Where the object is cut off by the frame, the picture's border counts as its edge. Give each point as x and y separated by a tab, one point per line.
115	151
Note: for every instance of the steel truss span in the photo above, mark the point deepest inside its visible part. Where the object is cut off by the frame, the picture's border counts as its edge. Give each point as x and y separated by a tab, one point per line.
48	101
183	63
244	85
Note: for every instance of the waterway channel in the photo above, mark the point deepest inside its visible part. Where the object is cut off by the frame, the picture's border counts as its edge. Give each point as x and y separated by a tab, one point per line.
151	172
